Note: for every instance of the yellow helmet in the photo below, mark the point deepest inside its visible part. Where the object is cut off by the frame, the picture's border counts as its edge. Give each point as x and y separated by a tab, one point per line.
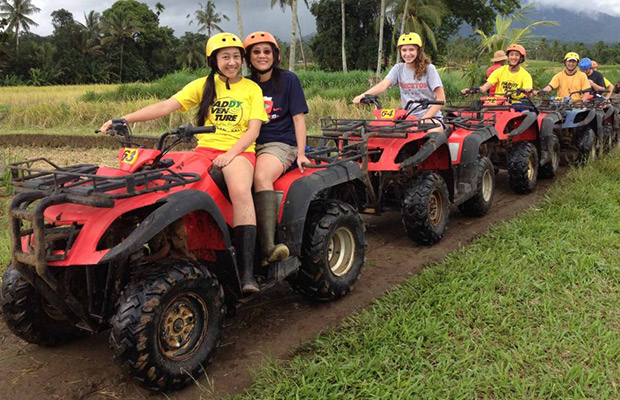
571	55
222	40
409	38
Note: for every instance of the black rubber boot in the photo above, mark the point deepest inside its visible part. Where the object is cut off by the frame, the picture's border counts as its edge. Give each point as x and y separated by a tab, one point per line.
266	205
244	240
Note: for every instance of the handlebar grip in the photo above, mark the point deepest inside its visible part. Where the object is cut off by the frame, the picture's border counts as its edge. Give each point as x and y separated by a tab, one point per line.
436	102
201	129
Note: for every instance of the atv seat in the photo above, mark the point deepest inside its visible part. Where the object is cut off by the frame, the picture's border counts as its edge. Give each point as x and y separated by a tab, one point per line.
218	177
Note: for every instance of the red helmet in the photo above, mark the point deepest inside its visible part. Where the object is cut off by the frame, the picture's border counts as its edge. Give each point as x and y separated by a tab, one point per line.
518	48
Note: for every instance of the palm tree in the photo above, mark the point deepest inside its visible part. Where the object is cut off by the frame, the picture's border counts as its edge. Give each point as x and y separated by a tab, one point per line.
506	35
92	25
293	5
17	12
380	52
420	16
119	28
207	18
343	41
160	8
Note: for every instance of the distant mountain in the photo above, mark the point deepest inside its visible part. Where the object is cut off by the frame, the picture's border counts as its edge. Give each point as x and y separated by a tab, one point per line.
573	26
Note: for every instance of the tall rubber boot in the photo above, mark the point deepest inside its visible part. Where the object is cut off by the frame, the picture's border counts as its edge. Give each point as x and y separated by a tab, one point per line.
244	240
266	205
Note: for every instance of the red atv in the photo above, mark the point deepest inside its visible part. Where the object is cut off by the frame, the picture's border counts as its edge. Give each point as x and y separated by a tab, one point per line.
146	249
422	172
526	145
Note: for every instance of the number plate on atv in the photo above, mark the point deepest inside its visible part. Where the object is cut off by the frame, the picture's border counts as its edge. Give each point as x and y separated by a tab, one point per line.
129	155
387	113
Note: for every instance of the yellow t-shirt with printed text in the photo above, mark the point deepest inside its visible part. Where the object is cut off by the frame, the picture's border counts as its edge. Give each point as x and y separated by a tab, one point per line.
230	113
507	80
570	83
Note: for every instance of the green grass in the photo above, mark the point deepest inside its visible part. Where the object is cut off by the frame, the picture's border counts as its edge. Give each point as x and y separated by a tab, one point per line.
528	311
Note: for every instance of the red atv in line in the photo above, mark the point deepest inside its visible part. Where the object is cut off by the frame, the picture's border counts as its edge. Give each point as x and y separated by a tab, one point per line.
526	144
146	250
407	165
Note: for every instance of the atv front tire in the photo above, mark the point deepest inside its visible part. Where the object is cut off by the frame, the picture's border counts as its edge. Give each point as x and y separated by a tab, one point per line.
29	316
426	208
523	167
586	145
481	202
551	168
333	251
168	322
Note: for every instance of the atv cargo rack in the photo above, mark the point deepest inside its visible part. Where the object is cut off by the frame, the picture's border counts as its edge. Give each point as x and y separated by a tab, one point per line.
81	180
466	118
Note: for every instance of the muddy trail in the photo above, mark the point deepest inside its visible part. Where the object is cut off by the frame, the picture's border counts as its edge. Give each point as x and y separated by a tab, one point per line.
274	325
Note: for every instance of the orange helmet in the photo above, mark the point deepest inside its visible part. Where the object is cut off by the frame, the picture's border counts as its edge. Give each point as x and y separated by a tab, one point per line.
518	48
261	37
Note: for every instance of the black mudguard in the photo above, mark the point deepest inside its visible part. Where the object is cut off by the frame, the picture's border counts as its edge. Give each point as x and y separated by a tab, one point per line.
547	126
174	207
434	140
302	192
530	118
471	144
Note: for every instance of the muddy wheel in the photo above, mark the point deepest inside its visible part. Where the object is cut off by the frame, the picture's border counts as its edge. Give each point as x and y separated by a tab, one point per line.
426	208
28	315
586	146
608	138
551	168
333	251
523	167
167	325
481	202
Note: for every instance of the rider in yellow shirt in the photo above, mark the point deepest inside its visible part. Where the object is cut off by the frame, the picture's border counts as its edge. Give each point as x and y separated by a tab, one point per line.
511	76
570	79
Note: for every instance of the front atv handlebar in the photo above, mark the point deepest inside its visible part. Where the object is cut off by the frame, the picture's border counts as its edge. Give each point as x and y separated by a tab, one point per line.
184	133
372	99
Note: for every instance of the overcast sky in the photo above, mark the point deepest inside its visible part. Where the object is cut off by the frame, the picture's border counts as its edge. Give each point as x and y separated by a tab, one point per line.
257	15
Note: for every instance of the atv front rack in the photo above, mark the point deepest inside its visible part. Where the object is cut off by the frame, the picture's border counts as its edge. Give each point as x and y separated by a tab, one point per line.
383	128
466	118
81	180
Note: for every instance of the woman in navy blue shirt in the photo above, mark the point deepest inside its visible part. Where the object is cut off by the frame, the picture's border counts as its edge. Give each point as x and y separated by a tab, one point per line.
281	141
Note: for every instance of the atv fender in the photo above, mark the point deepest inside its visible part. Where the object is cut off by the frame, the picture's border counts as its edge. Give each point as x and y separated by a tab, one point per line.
434	141
471	144
302	192
547	125
570	116
530	118
174	207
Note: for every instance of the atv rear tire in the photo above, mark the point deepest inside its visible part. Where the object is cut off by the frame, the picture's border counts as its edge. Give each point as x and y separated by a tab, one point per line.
523	167
28	315
426	208
586	146
608	138
333	251
168	322
551	168
481	202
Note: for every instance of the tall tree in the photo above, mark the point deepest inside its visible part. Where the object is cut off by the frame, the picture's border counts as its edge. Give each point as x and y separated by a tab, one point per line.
208	19
343	40
244	70
159	8
420	16
120	29
92	24
380	52
293	6
17	13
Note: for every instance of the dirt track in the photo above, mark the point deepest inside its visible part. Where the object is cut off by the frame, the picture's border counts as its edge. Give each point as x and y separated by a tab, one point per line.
274	325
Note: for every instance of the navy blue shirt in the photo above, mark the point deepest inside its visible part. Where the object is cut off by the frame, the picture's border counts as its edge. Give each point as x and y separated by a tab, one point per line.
281	107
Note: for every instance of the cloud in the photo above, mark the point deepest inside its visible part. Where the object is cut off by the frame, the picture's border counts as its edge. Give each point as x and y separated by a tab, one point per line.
256	15
591	8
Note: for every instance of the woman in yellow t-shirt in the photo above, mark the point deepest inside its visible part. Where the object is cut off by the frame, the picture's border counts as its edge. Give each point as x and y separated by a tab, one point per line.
234	105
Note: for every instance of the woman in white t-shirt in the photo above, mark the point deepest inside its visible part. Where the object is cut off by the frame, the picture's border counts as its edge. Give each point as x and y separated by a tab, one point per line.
416	77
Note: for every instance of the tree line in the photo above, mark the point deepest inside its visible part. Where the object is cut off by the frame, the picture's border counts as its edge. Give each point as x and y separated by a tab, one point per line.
127	43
